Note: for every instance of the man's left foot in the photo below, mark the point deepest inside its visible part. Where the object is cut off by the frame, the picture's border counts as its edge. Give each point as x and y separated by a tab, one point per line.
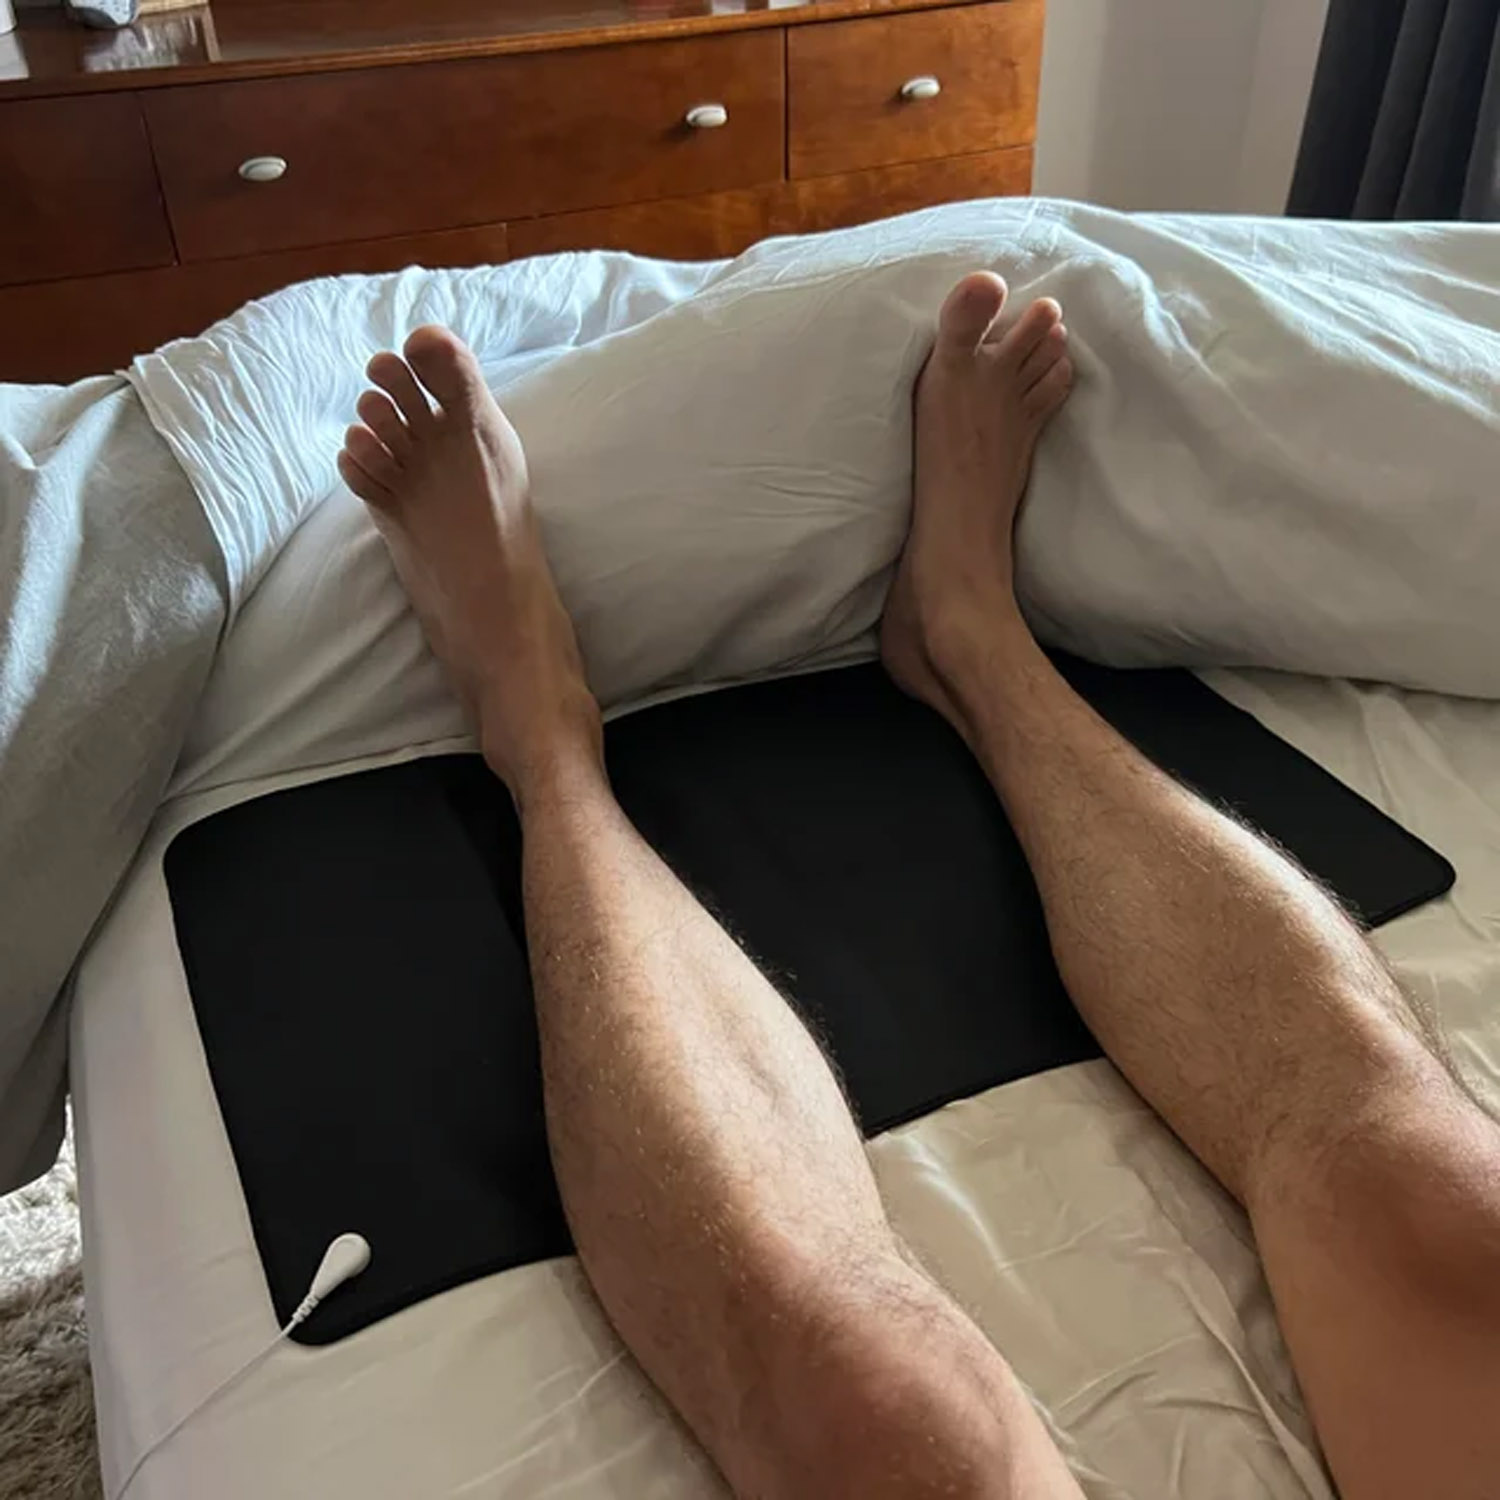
447	489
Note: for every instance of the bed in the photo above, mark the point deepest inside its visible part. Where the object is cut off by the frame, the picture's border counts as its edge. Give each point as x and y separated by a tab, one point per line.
1116	1276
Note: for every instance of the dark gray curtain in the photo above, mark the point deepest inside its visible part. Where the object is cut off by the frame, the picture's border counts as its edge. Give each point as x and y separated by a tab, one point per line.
1404	118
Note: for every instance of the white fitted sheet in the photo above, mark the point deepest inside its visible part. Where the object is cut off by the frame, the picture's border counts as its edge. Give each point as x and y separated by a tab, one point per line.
1117	1277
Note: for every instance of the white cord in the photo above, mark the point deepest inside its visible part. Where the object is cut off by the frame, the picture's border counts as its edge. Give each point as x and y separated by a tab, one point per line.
192	1412
344	1259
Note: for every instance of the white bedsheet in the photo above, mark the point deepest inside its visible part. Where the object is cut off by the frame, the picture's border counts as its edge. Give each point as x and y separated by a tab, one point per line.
1117	1277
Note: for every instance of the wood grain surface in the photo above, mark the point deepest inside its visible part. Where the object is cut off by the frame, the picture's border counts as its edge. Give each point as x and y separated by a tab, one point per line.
440	145
844	86
718	225
818	203
77	190
711	226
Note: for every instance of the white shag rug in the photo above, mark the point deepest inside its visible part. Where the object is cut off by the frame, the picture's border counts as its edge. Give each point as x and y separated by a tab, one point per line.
47	1445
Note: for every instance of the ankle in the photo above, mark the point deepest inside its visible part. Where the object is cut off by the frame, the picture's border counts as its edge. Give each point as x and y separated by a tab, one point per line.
978	652
560	754
568	776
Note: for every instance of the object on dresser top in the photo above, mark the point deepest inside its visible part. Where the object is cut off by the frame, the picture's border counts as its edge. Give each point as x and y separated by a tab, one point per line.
103	14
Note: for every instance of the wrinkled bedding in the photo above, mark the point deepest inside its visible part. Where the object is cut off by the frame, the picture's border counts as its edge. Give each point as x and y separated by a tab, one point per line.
1280	454
112	598
1280	450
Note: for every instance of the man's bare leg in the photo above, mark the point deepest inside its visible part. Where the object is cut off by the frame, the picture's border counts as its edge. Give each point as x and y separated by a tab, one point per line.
717	1189
1230	991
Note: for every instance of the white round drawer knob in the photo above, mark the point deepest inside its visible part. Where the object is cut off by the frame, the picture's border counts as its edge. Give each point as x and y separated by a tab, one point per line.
925	87
263	168
707	116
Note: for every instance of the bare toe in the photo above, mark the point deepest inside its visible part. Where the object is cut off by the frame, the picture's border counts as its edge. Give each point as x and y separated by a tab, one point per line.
378	412
1050	391
372	456
1031	329
1048	351
368	489
447	367
969	313
389	371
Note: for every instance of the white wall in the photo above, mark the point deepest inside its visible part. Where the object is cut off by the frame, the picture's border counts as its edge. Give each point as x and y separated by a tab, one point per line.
1175	104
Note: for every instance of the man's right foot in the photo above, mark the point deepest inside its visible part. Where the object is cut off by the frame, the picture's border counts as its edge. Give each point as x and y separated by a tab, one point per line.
982	401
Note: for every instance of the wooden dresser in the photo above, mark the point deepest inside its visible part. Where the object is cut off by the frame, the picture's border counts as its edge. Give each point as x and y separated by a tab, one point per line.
154	179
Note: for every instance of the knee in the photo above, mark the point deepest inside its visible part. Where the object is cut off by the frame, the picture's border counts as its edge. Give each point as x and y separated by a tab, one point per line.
1415	1194
879	1385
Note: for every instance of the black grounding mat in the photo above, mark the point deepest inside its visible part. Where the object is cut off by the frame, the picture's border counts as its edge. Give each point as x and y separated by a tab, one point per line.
355	956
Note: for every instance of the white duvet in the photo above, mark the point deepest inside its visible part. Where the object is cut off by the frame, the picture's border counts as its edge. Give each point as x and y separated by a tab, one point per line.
1281	451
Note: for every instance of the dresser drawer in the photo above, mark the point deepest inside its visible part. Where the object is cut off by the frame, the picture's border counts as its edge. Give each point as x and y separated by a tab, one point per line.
711	226
845	79
78	192
412	148
812	204
717	225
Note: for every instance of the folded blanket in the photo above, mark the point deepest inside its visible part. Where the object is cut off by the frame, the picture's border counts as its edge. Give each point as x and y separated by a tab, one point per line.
112	597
